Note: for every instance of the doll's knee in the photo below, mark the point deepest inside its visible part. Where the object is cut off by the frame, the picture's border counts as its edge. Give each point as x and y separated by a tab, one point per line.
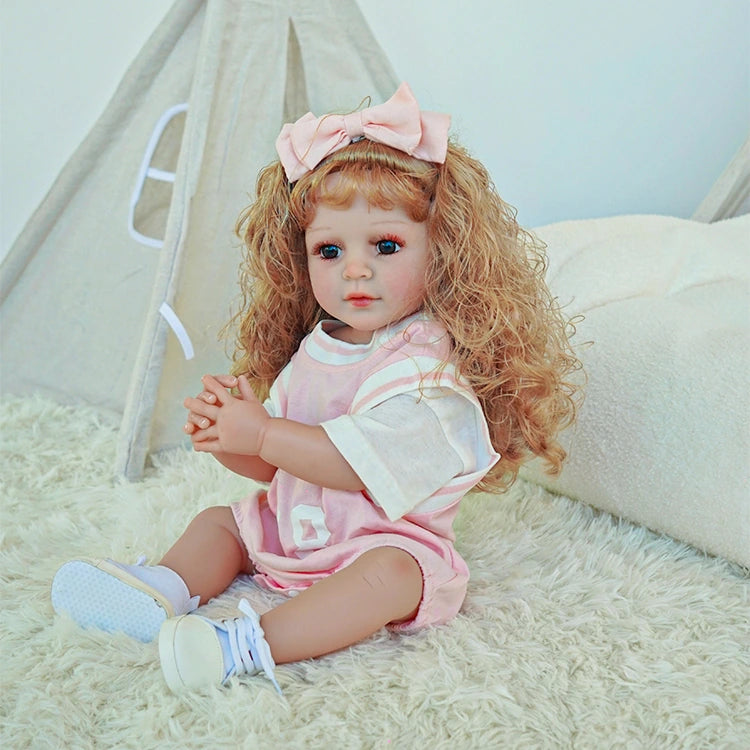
391	567
217	515
218	521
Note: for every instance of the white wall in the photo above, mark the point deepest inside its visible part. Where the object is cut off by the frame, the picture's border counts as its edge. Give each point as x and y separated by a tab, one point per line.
580	108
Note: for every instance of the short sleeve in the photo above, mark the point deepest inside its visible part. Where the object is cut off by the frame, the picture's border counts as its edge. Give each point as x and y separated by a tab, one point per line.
410	446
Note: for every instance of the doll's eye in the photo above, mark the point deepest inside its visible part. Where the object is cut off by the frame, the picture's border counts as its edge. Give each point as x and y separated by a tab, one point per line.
387	247
329	252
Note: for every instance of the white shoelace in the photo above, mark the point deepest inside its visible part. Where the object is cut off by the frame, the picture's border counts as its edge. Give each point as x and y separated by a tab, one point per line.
247	642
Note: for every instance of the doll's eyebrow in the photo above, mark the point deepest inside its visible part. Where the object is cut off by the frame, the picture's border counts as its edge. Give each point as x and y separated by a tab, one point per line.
319	229
386	222
403	222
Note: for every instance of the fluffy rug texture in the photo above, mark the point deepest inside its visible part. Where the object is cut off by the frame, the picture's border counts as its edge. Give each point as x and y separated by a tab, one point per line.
580	630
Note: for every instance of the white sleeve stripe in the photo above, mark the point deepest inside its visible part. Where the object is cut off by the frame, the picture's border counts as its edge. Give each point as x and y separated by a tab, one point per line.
448	495
277	396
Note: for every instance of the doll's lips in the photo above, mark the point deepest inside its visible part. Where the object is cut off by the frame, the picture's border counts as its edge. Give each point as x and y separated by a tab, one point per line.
359	300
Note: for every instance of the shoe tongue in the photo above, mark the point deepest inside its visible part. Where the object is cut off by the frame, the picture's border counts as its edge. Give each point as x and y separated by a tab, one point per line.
243	645
226	650
235	649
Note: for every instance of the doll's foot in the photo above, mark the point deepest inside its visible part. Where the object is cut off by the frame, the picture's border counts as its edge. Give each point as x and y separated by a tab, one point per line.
196	652
108	596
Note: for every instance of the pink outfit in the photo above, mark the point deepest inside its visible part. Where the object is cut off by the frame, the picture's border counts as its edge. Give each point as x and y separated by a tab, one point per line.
297	533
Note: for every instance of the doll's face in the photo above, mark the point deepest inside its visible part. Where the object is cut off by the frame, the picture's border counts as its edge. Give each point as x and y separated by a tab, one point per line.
367	265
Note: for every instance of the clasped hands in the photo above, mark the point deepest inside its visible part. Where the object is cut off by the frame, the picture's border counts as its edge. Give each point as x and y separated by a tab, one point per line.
220	422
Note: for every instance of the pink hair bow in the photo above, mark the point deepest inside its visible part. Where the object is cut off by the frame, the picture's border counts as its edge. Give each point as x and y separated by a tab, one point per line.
398	123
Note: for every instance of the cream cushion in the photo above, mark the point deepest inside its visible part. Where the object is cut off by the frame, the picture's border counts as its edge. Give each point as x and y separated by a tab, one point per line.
662	437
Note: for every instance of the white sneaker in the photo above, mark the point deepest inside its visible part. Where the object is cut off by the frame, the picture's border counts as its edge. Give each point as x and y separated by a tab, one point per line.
112	597
196	651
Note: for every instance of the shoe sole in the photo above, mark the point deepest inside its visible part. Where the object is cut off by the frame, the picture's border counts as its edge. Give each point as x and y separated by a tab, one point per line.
98	594
190	653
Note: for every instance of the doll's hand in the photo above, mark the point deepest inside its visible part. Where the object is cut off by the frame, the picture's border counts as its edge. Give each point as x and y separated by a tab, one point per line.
198	418
238	424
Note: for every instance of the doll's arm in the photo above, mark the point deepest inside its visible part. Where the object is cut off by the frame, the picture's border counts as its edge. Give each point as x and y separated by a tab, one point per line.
253	467
242	428
306	452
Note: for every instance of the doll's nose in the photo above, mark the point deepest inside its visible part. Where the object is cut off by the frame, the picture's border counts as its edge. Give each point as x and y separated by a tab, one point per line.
357	269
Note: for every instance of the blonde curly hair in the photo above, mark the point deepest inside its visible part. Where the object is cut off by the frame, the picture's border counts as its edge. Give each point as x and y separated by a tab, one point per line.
485	285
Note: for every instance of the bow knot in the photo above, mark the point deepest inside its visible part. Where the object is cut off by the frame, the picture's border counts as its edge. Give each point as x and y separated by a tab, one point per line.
397	123
354	125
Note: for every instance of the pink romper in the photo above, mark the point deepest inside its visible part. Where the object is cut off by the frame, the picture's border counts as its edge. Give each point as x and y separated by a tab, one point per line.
297	533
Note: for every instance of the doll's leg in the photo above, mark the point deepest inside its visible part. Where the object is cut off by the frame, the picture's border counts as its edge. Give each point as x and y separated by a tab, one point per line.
210	554
383	585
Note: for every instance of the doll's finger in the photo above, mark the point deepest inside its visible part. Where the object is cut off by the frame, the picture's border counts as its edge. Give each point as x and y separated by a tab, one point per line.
201	436
214	386
196	425
201	422
225	381
228	381
245	389
192	403
199	407
208	397
210	445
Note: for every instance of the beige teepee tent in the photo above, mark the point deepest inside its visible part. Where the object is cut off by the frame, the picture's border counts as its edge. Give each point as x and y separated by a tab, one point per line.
115	291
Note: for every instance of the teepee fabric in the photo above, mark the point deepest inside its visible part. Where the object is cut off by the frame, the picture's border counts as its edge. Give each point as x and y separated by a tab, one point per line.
116	290
730	194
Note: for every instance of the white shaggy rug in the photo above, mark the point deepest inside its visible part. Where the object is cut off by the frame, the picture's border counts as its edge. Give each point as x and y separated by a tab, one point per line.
579	630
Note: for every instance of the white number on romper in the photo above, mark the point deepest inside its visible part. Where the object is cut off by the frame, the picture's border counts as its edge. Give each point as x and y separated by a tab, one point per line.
309	527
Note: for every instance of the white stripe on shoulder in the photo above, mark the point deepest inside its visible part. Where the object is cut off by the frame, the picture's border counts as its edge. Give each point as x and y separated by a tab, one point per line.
409	374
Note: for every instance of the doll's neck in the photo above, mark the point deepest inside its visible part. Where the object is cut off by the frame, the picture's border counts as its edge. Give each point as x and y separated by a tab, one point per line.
349	335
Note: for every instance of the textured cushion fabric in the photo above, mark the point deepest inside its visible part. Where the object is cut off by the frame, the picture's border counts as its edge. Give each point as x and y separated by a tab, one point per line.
662	437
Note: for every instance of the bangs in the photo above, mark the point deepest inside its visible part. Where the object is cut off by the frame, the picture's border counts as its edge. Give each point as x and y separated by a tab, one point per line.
384	177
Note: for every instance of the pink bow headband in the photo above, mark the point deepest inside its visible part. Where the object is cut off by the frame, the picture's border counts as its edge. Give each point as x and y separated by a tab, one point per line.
398	123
